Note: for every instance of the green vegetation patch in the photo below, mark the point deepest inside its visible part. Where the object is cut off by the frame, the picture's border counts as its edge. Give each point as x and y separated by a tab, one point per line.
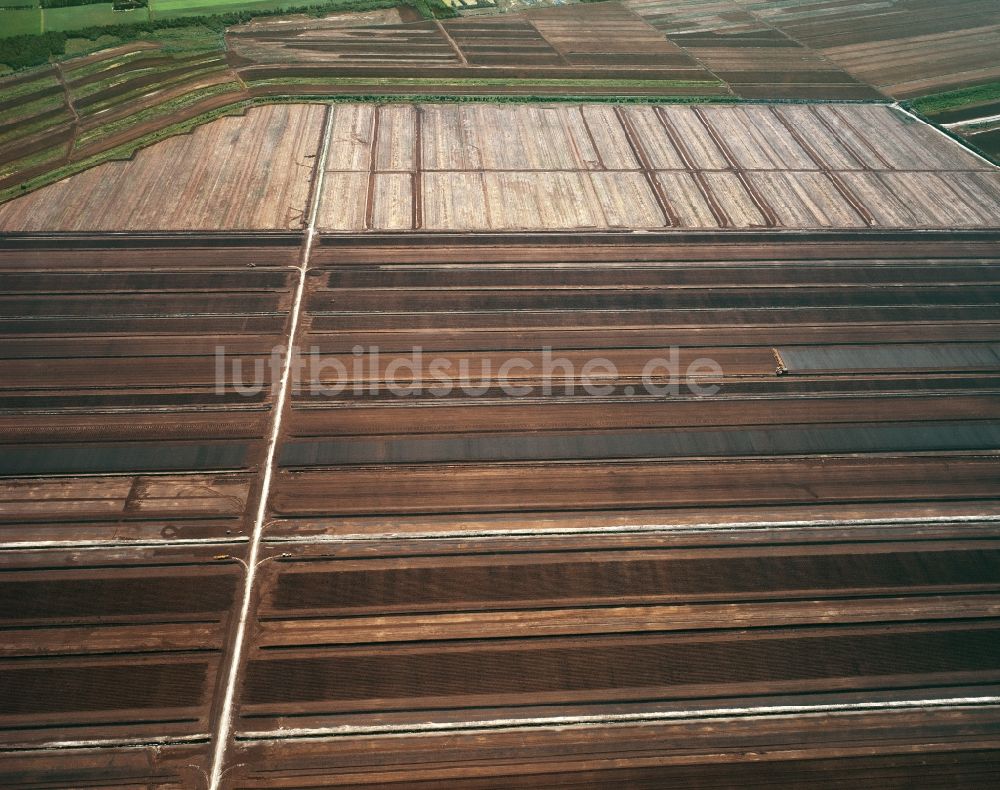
165	109
55	153
166	8
68	3
937	103
169	75
45	104
125	151
31	126
84	46
189	38
96	15
20	22
45	80
495	82
20	52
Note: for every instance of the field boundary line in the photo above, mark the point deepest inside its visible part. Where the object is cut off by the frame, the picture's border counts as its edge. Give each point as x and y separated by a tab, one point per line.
599	720
886	165
61	76
417	175
767	213
369	218
827	170
698	61
695	173
454	44
844	144
972	123
225	728
670	218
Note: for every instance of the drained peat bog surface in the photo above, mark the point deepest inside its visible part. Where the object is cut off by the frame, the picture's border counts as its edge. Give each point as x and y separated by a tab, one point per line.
506	445
446	167
786	532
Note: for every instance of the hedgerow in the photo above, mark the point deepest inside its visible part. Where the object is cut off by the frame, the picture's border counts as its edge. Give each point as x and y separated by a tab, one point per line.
21	52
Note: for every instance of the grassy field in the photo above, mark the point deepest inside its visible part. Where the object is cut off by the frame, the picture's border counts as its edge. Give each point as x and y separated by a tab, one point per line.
27	109
23	21
493	82
38	20
167	8
20	21
164	110
938	103
97	15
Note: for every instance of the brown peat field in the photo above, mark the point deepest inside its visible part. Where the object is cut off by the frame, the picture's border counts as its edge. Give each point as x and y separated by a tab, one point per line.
588	396
533	167
65	117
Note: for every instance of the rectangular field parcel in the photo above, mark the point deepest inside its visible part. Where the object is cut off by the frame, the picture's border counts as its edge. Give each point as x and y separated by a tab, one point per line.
480	167
240	173
127	487
450	580
446	581
538	167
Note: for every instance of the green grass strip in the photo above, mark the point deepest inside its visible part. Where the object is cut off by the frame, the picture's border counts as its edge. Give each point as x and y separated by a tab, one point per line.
45	104
166	108
39	157
85	70
124	151
459	82
30	127
937	103
193	69
112	102
14	91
